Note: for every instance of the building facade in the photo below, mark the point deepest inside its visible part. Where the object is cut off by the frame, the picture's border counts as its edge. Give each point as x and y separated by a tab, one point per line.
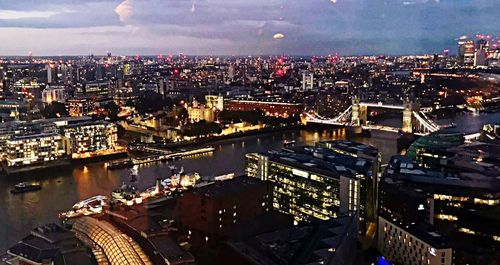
91	139
306	187
78	107
54	94
34	149
271	107
399	244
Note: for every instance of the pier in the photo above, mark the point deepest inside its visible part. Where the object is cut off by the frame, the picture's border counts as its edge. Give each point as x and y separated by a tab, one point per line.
166	156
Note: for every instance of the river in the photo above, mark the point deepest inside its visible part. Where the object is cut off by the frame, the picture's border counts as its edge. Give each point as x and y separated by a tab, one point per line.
63	188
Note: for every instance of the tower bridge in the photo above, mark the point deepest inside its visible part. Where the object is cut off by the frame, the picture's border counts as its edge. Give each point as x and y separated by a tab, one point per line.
414	119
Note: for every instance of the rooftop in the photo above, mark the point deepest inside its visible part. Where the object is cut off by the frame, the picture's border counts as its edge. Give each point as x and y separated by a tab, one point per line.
228	187
52	243
352	148
311	244
320	160
456	173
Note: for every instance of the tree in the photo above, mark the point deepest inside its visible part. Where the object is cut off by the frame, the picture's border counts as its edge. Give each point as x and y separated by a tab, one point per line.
54	110
183	114
112	110
202	128
149	101
253	117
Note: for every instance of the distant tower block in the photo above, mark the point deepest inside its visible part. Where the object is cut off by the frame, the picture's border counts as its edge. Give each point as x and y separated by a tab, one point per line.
355	111
408	118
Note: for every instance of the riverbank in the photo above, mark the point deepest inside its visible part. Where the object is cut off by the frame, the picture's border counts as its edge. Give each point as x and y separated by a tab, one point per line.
234	136
61	165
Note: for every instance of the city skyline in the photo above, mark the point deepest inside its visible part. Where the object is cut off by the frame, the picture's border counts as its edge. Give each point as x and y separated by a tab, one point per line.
66	27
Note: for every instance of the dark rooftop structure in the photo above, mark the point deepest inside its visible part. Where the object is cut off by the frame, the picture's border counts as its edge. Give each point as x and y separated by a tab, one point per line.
324	242
153	231
320	160
228	188
350	148
51	244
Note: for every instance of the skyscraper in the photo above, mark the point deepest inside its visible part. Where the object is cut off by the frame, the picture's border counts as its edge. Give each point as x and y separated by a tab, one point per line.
49	74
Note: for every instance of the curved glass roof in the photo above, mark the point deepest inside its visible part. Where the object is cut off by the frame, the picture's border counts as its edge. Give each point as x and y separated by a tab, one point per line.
117	247
436	141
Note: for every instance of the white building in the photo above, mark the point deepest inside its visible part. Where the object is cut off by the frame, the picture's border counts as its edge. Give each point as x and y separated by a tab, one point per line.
307	81
54	94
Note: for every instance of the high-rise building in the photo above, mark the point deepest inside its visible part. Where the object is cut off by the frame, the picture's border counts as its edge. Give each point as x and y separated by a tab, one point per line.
369	177
481	51
307	81
50	77
468	54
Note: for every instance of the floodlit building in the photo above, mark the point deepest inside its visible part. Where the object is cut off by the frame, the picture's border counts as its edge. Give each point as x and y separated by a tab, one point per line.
216	102
198	112
270	107
54	94
91	139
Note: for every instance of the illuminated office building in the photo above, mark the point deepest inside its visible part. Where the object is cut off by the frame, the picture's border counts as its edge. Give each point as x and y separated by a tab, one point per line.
369	175
305	185
456	199
469	53
405	231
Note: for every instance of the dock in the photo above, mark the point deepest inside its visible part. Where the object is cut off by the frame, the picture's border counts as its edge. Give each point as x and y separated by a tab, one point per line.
167	156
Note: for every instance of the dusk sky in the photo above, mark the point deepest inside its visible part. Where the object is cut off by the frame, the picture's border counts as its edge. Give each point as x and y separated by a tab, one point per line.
227	27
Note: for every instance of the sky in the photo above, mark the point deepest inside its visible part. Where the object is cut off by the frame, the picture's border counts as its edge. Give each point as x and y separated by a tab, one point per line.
241	27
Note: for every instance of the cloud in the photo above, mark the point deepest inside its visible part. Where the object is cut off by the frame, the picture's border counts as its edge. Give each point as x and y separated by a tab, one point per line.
243	26
12	14
124	10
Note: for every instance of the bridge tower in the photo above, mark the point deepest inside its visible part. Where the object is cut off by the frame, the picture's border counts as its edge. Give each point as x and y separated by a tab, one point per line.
359	112
408	117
